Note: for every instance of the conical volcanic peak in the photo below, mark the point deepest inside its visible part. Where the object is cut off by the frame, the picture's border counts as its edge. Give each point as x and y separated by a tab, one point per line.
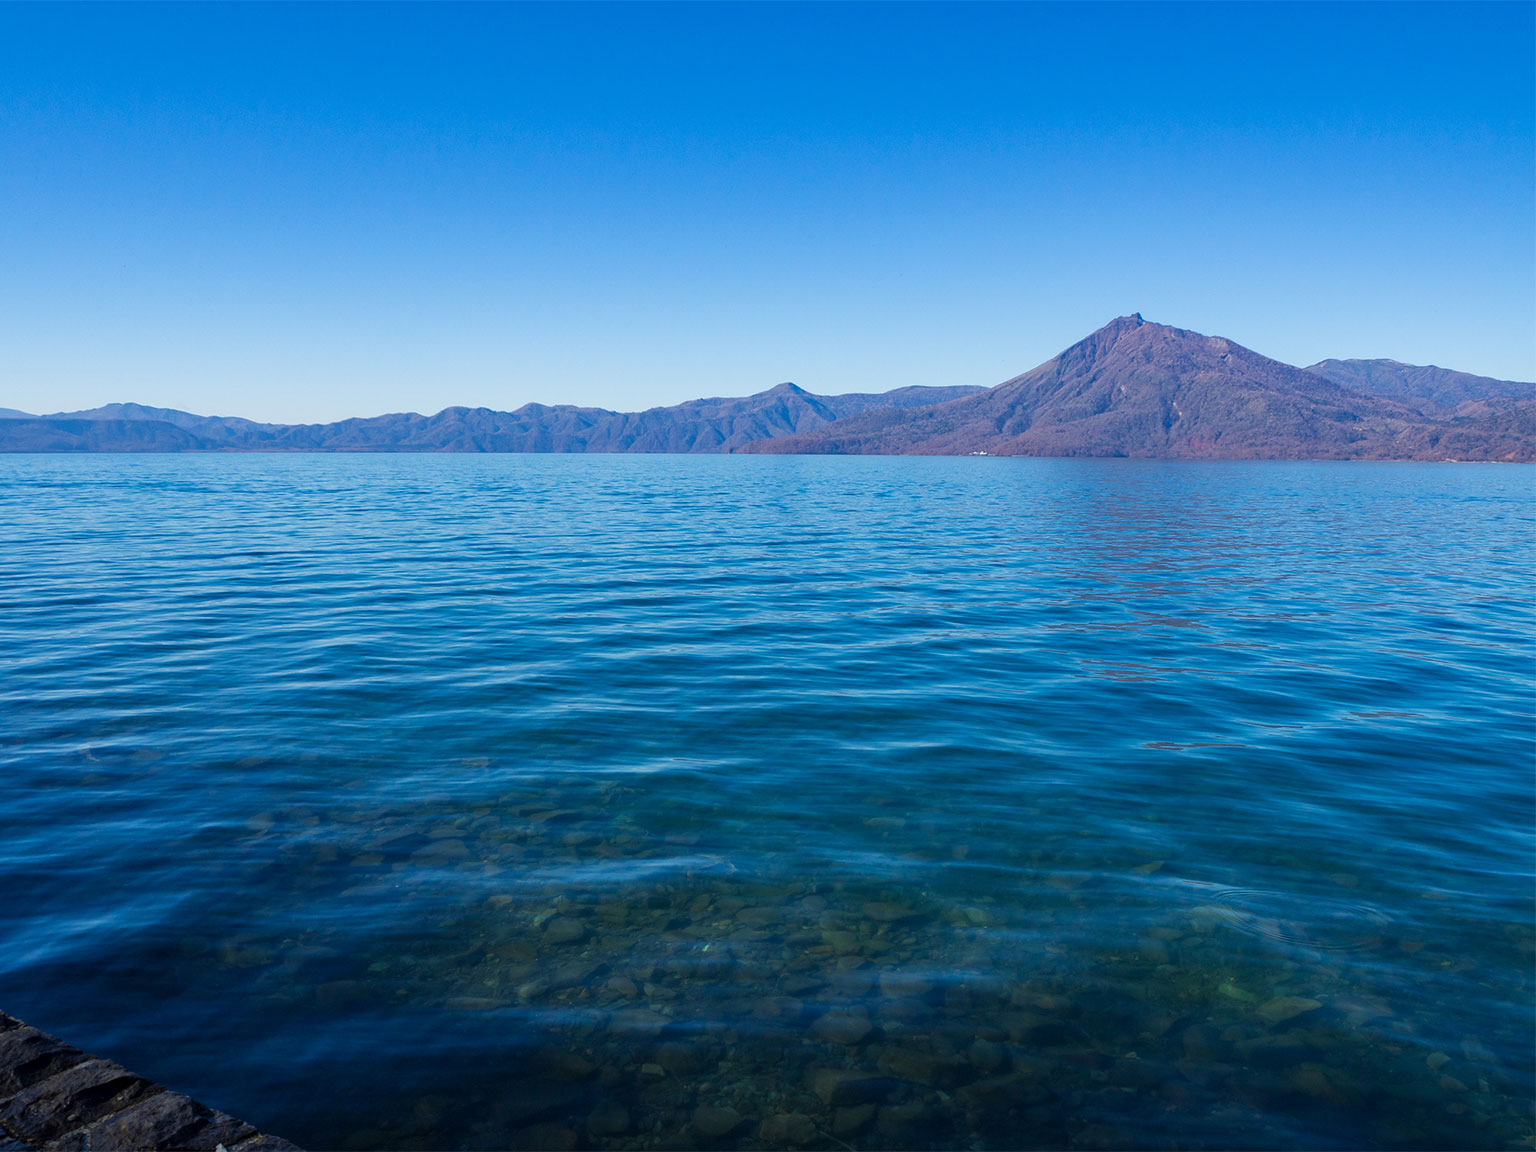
1133	349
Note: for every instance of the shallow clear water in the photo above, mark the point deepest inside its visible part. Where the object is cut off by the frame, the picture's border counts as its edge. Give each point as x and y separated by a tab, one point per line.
434	802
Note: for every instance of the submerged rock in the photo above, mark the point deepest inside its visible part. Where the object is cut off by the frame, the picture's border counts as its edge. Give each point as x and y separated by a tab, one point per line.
561	1064
681	1059
840	1086
930	1069
565	930
715	1123
608	1118
851	1121
1283	1008
843	1027
787	1128
883	912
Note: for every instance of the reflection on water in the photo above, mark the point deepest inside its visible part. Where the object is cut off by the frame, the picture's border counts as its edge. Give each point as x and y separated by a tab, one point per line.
540	802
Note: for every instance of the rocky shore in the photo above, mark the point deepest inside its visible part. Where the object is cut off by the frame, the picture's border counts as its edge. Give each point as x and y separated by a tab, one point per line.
53	1096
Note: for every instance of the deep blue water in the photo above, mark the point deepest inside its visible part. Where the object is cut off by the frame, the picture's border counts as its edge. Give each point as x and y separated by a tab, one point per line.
449	801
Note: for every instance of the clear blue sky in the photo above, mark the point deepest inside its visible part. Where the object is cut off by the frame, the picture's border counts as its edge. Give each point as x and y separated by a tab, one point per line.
302	212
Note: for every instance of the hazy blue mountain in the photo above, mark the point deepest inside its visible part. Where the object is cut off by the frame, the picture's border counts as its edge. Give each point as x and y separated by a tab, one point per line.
717	424
47	434
230	431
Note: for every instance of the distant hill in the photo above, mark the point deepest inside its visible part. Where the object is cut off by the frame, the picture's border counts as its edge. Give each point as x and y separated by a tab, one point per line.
720	424
1135	388
1429	389
43	434
206	431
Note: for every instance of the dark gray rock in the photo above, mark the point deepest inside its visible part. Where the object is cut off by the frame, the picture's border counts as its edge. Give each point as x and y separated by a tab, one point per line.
163	1121
54	1096
71	1099
264	1143
27	1056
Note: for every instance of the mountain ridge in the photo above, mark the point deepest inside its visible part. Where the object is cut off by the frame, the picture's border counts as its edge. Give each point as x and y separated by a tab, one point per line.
1131	388
711	424
1423	386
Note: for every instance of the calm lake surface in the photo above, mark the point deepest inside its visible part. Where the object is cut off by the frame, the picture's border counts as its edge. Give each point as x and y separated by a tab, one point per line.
627	802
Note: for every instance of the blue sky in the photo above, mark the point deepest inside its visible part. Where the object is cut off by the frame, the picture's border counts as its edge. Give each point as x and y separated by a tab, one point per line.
304	212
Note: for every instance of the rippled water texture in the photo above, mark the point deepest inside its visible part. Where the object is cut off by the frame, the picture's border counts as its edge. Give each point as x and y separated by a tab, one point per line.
619	802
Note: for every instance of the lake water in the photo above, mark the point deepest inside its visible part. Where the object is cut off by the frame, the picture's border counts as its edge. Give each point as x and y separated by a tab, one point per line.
630	802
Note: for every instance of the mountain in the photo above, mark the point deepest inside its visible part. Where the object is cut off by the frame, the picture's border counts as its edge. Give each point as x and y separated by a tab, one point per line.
718	424
1429	389
1135	388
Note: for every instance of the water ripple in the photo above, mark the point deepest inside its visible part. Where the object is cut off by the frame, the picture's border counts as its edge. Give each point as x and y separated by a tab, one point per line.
1073	803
